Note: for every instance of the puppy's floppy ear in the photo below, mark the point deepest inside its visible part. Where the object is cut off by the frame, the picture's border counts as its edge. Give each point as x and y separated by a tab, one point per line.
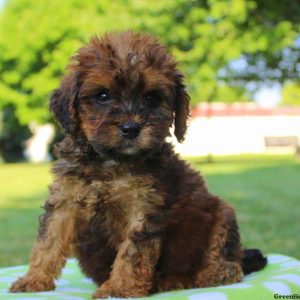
63	101
181	108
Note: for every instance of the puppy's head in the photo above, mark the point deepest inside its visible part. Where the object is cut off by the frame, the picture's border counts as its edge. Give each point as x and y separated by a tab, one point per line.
123	93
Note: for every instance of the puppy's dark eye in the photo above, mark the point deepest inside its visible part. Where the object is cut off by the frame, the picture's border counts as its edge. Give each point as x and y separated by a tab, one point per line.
103	97
152	98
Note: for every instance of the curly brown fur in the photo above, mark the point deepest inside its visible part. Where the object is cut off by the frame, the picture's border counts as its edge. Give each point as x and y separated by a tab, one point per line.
137	217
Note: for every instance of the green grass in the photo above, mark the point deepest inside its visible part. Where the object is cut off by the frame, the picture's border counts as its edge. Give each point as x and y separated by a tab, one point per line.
265	190
23	190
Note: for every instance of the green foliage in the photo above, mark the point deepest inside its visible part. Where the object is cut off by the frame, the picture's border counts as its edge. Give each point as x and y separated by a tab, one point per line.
36	40
227	94
206	36
12	135
291	93
38	37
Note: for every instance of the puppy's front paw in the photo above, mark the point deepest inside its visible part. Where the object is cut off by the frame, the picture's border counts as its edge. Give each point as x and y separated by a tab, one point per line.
118	293
32	284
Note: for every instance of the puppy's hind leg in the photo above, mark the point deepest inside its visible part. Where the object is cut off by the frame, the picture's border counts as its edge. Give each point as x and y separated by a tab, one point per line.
48	256
222	263
220	273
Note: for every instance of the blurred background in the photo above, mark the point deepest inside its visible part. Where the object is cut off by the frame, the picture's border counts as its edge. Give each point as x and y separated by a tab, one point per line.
241	59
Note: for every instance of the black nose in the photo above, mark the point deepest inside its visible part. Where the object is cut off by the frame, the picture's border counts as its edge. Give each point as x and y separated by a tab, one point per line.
130	130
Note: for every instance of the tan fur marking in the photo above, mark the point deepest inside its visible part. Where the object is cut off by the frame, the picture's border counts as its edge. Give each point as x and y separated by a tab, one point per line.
49	254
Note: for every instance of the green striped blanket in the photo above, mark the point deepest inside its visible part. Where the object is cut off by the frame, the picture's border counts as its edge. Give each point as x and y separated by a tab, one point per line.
280	277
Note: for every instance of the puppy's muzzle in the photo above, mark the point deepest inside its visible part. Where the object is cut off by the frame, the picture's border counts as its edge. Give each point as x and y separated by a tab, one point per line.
130	130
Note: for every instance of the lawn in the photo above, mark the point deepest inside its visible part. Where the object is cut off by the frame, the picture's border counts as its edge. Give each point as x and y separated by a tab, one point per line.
265	190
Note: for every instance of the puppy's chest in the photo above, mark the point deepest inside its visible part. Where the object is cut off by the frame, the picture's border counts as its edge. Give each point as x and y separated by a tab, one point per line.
122	195
117	205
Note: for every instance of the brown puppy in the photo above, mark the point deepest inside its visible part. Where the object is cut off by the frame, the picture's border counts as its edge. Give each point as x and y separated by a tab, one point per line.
138	218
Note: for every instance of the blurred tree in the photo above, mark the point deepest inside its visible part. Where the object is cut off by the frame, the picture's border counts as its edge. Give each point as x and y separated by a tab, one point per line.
233	41
221	44
12	135
36	40
291	93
